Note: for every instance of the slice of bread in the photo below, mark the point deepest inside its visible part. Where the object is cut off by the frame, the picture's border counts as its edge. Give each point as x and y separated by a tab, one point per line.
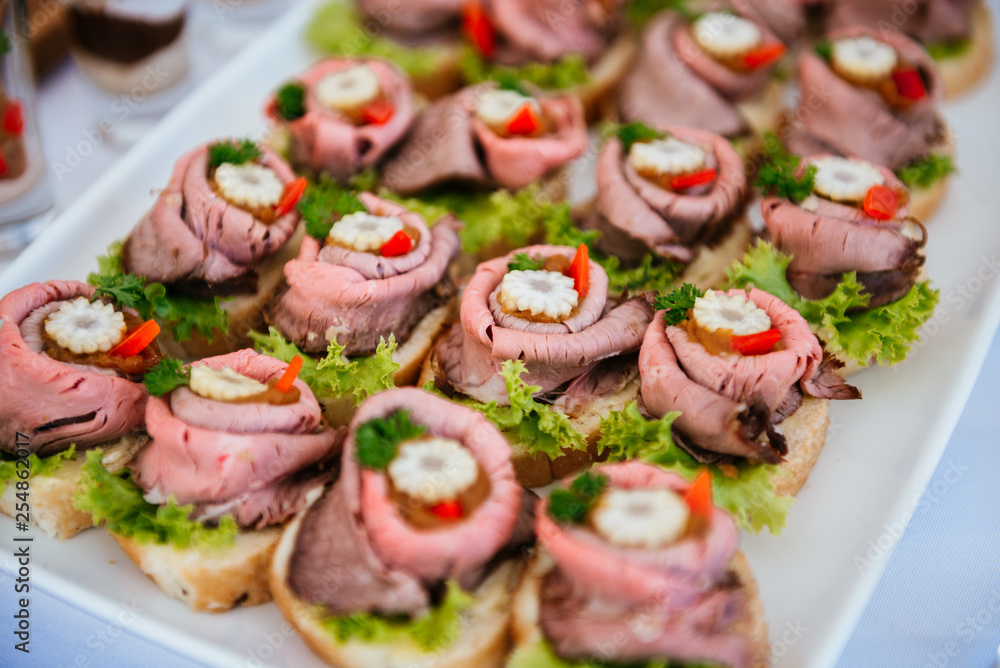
246	312
708	268
924	202
805	432
209	580
483	641
525	628
52	507
764	113
966	71
597	94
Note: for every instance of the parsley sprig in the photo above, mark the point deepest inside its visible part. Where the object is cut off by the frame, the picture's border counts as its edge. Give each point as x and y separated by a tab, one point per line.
324	203
166	376
678	303
631	133
780	176
233	151
571	506
524	262
377	439
290	102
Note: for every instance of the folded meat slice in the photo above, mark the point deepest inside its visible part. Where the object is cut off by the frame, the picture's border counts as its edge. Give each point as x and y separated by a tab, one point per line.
201	454
54	403
326	140
357	553
835	115
728	401
670	61
473	354
673	602
449	143
360	298
193	233
670	223
546	30
926	21
413	17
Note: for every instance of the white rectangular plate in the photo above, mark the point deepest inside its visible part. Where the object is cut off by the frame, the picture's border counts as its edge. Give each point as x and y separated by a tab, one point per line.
814	578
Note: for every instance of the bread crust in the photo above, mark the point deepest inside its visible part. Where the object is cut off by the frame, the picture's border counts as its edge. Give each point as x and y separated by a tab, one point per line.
965	72
525	629
483	640
52	508
805	432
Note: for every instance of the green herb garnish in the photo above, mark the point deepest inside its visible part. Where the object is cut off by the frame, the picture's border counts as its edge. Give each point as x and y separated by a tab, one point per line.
567	72
377	439
290	102
509	81
948	48
926	171
116	501
127	290
571	506
235	152
824	49
631	133
323	202
5	45
524	262
778	175
678	303
166	376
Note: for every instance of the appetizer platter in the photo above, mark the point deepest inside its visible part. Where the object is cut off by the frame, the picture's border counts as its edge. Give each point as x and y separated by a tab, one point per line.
812	581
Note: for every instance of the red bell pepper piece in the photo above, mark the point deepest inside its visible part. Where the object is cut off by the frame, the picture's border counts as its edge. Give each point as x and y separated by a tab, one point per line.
291	197
756	344
765	55
448	510
478	28
3	165
284	383
399	244
525	121
691	180
136	342
378	112
698	497
910	84
881	203
13	118
579	270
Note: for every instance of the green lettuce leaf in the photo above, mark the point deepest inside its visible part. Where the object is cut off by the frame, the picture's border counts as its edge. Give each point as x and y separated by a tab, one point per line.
926	171
886	333
532	424
567	72
335	375
436	629
182	314
541	655
37	466
945	49
337	30
748	495
114	500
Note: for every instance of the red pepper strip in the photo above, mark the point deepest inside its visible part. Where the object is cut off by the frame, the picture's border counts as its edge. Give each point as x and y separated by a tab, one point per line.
291	197
699	496
284	383
136	342
881	203
910	84
477	27
378	112
691	180
3	166
399	244
755	344
765	55
13	118
448	510
525	121
579	270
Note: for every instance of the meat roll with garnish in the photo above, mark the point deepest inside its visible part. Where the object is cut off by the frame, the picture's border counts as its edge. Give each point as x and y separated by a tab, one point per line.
429	521
70	380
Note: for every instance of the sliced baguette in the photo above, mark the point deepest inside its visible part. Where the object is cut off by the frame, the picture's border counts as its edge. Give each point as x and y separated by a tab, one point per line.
52	508
209	580
805	432
924	202
483	641
597	94
966	71
525	629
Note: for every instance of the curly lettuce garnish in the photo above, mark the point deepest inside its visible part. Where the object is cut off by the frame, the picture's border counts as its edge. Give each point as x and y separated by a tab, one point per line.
182	314
744	490
114	500
434	630
924	172
885	333
336	375
37	466
568	72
